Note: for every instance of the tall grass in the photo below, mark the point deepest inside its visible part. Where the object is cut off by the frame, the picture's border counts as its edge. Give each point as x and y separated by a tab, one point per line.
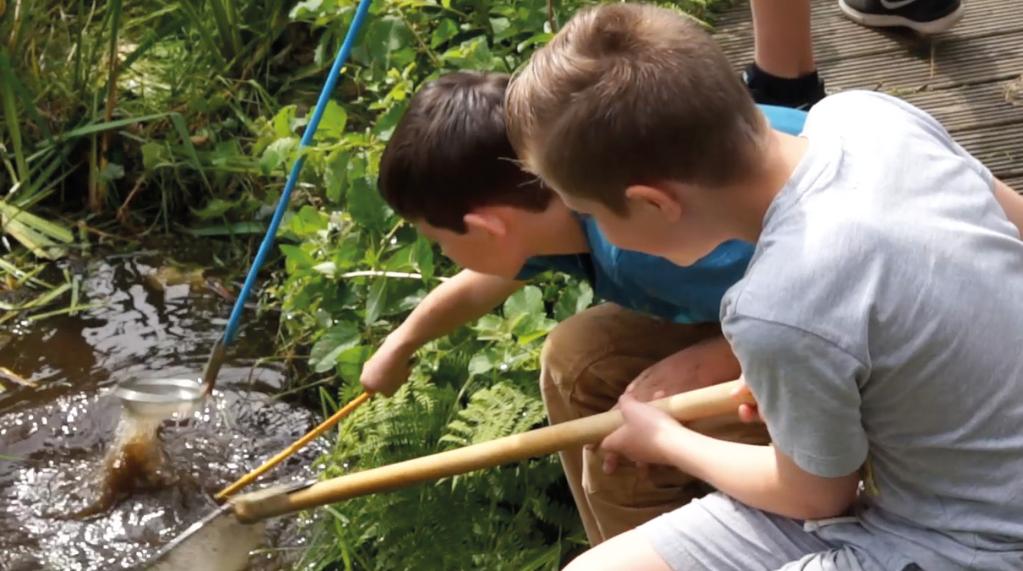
128	115
107	66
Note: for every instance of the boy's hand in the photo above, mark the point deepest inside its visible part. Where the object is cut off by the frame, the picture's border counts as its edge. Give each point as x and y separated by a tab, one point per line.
747	412
703	364
645	437
387	369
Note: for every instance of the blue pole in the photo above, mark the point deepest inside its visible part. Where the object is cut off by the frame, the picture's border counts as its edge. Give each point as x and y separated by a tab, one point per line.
231	331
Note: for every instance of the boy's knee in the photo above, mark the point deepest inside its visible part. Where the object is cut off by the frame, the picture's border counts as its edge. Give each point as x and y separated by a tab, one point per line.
568	349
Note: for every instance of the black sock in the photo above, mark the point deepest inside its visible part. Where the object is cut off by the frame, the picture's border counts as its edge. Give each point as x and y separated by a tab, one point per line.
799	92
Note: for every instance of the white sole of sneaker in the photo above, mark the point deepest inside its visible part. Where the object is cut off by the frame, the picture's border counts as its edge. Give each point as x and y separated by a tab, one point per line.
942	24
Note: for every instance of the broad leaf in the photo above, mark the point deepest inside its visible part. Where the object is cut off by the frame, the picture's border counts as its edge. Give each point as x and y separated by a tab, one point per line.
339	338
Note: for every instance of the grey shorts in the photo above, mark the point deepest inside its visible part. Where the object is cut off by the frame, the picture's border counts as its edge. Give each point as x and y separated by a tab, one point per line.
719	534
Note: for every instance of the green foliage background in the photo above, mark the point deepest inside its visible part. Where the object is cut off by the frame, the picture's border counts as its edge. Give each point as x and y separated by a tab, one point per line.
184	116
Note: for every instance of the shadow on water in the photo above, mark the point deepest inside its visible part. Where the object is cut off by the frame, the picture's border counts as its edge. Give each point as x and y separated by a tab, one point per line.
54	438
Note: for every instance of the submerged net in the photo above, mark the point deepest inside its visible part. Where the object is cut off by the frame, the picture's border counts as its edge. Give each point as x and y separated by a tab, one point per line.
134	462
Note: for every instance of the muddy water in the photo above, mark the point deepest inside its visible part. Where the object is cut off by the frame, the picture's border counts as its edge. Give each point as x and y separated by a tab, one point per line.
54	438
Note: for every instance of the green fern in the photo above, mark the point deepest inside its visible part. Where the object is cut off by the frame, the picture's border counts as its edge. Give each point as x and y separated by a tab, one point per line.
494	412
514	517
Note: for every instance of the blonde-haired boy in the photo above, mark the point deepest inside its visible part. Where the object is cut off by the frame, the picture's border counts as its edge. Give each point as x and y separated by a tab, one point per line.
878	324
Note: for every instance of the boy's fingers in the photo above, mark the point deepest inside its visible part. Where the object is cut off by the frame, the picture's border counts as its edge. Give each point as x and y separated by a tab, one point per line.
744	414
748	413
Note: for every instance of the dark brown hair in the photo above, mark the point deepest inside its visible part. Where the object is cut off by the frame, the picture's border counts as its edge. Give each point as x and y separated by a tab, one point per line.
632	94
450	154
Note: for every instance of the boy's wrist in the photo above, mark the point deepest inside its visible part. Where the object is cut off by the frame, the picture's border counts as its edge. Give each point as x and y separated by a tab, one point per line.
678	447
401	342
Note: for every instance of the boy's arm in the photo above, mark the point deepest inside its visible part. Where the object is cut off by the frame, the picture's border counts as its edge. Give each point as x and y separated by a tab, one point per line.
807	390
466	297
1011	202
758	476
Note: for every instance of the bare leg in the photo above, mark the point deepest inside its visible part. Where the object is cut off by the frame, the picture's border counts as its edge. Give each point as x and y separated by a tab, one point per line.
781	31
783	71
629	550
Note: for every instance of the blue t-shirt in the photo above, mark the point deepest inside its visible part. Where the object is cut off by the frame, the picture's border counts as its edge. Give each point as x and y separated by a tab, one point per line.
654	285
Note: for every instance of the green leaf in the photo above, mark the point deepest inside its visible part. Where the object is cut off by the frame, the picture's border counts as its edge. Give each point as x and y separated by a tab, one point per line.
297	258
307	222
350	361
388	120
305	9
573	299
482	363
388	43
325	352
532	328
489	327
153	155
367	208
422	257
332	124
526	301
276	155
472	54
502	28
444	31
283	122
215	208
377	299
400	261
335	176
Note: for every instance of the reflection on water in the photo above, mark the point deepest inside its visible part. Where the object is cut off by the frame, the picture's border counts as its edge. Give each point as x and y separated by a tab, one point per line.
53	439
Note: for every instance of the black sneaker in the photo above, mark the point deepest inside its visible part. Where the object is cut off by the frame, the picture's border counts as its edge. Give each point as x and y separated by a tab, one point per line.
799	93
924	16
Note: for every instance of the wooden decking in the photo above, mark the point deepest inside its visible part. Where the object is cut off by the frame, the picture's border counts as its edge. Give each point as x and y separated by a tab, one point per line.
970	78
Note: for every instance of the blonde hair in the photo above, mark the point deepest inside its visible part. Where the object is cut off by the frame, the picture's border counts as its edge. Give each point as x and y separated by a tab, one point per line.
632	94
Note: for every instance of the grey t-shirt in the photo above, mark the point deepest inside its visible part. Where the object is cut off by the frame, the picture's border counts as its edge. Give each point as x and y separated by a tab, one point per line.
881	321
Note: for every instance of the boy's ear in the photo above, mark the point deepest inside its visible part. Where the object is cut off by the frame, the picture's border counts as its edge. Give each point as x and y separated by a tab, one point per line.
486	221
660	198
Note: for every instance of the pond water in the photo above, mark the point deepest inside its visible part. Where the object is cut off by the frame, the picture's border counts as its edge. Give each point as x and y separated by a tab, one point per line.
54	437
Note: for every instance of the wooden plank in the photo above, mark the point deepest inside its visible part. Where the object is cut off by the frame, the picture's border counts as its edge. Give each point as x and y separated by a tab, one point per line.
973	107
1001	150
968	78
950	64
837	38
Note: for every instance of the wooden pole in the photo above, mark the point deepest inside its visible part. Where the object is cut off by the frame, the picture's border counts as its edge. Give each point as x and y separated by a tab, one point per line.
693	405
294	447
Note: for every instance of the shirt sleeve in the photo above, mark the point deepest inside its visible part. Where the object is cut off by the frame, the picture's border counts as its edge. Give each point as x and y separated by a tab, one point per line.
808	391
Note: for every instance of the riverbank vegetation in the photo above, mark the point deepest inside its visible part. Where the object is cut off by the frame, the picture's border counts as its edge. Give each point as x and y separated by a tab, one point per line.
127	120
